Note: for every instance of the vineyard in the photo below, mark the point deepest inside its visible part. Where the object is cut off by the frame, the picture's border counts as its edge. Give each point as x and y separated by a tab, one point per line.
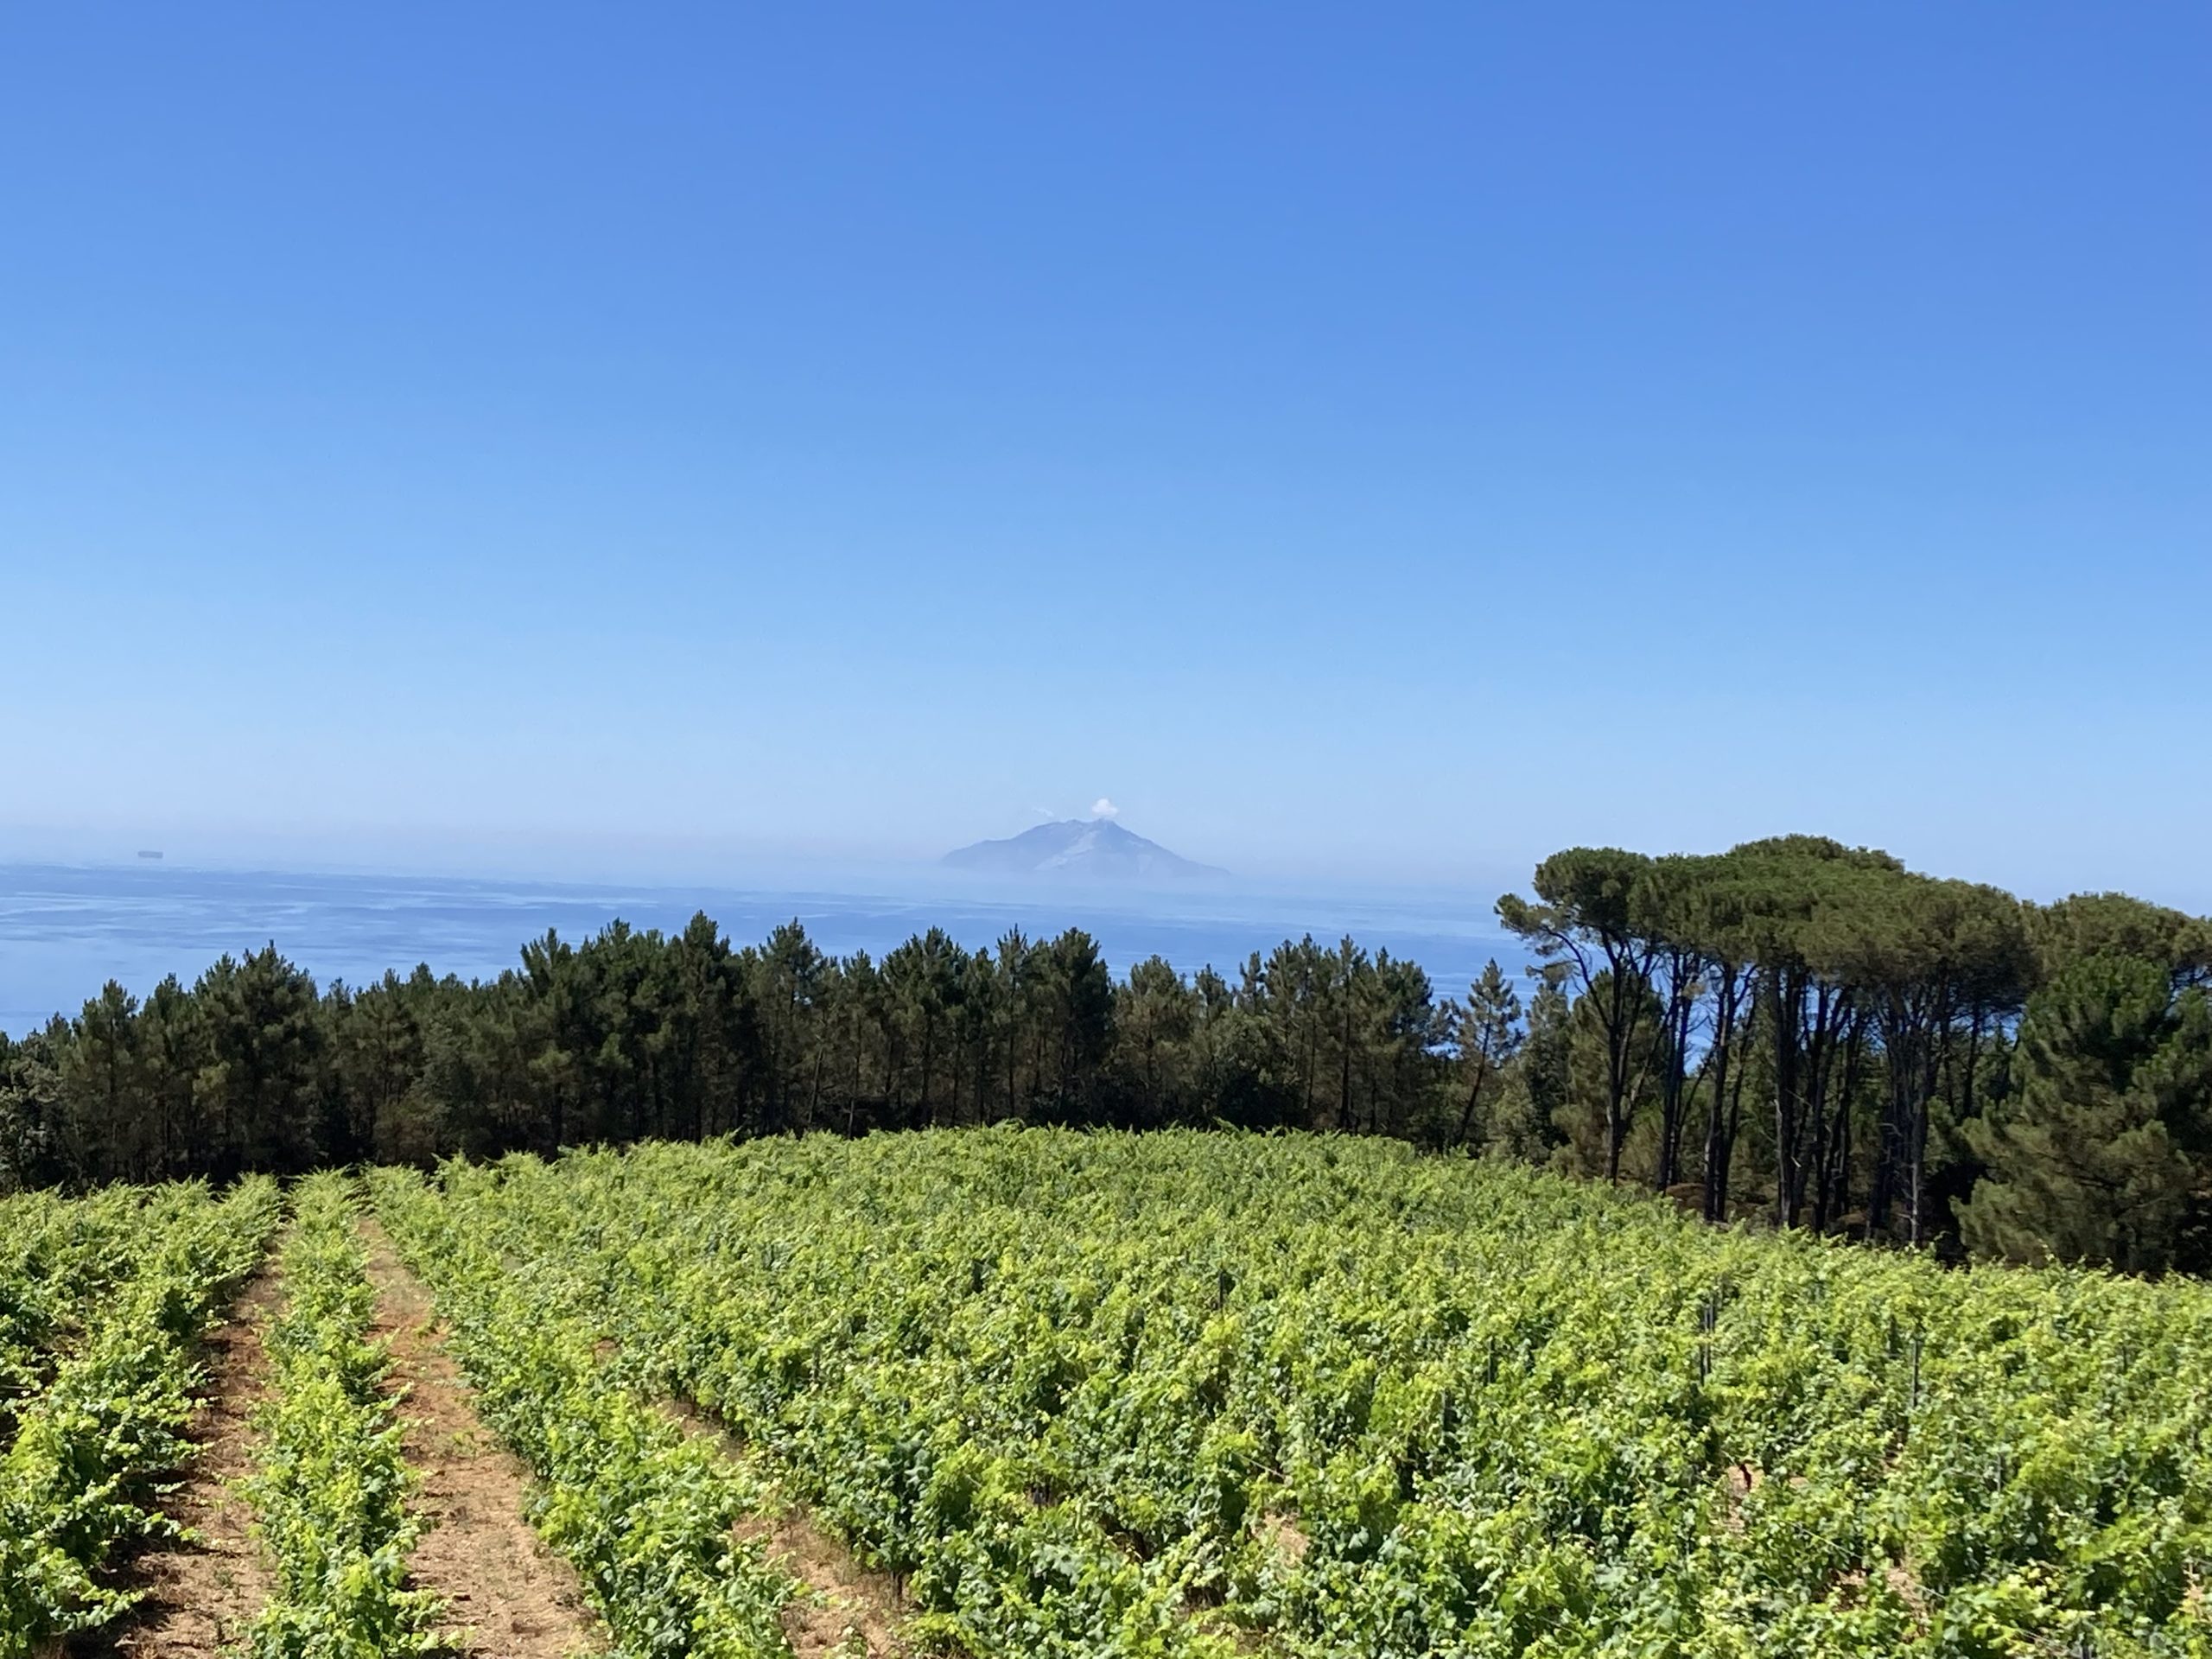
1034	1393
104	1300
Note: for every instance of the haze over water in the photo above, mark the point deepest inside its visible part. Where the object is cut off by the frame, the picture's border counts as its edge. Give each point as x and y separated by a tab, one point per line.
64	930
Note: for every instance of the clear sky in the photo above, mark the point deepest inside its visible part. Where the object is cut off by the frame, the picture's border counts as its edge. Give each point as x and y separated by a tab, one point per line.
1388	441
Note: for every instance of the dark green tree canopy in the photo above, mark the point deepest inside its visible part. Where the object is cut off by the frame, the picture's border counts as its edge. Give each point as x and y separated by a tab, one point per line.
2114	924
2099	1156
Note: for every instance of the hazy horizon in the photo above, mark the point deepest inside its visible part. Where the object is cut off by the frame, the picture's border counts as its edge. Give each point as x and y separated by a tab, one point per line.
705	861
67	929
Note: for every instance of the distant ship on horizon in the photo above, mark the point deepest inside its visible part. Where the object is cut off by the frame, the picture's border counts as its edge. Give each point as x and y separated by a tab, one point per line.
148	855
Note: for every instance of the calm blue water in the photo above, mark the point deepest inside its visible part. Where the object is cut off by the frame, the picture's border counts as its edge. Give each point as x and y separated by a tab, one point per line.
65	930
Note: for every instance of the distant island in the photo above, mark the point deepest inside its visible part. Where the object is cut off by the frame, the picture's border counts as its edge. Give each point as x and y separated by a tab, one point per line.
1085	849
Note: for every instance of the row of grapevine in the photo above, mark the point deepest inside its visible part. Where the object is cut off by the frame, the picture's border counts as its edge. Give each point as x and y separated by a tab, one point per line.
1172	1393
59	1258
330	1484
75	1484
645	1510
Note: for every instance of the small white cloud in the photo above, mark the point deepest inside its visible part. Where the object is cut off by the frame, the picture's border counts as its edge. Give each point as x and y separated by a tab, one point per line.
1102	808
1044	812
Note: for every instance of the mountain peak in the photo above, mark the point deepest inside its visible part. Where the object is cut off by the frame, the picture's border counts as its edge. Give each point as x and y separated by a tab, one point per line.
1086	849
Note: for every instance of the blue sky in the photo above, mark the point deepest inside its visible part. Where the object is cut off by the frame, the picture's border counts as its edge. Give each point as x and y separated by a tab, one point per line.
1384	442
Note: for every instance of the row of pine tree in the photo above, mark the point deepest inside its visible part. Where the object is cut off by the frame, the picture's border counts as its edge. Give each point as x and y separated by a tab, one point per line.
1792	1031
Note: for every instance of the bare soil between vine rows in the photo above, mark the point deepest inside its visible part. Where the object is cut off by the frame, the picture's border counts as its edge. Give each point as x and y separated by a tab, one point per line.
506	1595
202	1593
848	1607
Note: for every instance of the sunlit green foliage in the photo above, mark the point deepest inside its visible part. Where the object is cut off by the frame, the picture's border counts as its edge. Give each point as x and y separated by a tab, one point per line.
75	1484
61	1259
643	1510
1166	1395
330	1484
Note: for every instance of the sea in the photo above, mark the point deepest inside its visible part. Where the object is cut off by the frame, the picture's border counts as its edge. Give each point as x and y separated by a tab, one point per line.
68	929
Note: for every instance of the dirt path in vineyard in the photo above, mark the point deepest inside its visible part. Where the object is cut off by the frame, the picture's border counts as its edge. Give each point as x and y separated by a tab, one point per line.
201	1596
849	1608
510	1598
507	1596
